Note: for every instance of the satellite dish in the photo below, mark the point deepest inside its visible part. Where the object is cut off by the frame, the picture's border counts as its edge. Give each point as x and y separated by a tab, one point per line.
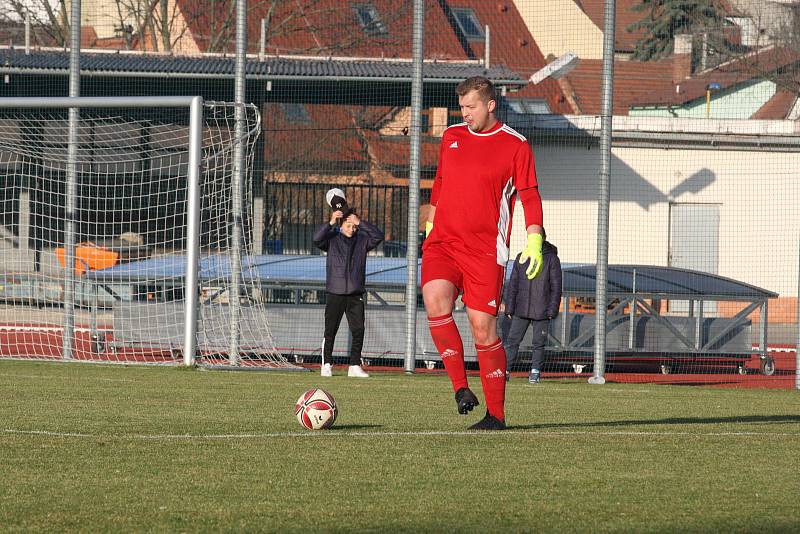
561	66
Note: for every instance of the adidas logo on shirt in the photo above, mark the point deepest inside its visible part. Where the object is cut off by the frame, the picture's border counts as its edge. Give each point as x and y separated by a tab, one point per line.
454	144
493	302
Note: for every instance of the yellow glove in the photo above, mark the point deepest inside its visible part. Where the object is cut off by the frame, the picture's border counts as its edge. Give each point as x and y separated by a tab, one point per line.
533	252
428	228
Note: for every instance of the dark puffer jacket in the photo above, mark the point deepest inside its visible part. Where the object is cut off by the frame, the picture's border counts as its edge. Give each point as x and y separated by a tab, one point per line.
536	299
345	267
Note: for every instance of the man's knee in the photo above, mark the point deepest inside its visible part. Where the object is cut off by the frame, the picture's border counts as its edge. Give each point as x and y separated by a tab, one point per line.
438	296
483	326
485	339
484	335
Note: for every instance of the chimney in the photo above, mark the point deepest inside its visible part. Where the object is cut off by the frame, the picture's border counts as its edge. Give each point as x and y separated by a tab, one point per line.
682	58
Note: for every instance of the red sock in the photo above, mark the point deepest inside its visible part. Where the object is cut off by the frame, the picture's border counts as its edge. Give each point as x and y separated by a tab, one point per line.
448	342
492	362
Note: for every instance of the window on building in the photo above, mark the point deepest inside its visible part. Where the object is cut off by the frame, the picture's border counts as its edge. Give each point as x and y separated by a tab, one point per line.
528	106
468	22
370	19
295	112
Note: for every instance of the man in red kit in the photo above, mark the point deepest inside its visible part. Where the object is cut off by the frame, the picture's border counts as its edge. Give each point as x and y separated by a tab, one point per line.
483	165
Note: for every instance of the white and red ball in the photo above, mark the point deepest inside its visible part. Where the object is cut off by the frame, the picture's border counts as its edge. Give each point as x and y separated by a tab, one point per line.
316	409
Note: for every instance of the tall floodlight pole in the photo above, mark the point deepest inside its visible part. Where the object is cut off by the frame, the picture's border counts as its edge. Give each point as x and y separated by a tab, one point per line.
235	250
606	124
71	215
413	186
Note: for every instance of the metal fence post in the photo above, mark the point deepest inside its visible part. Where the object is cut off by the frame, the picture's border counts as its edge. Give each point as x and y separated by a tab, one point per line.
413	188
235	249
606	129
71	215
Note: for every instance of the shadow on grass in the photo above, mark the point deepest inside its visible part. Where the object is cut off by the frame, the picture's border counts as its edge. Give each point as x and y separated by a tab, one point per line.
760	419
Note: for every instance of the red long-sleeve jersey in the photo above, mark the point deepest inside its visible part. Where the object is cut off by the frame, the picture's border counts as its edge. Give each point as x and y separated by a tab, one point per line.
477	180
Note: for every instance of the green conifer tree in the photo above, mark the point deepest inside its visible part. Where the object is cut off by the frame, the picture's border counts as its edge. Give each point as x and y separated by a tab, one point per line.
664	19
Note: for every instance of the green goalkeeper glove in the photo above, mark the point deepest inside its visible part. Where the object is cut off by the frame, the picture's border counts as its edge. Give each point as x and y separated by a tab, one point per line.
428	228
533	252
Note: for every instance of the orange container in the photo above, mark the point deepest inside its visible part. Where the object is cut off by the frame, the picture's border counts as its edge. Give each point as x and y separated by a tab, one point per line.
89	257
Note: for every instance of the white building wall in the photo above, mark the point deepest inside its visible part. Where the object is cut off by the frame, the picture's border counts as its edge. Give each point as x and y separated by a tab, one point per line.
758	193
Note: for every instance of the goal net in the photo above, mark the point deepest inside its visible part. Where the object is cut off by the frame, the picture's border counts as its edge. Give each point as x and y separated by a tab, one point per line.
125	187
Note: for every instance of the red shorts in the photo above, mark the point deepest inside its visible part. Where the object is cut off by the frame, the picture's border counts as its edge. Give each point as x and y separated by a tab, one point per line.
479	277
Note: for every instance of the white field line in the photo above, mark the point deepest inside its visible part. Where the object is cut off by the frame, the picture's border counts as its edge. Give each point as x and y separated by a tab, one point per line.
70	378
347	434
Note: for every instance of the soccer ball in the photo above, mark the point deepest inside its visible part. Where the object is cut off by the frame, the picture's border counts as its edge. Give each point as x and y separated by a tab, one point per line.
316	409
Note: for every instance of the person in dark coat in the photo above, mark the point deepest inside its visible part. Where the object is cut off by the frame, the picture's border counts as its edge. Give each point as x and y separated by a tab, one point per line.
347	239
532	302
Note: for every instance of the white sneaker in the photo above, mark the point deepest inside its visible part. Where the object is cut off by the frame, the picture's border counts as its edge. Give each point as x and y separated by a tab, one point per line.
326	370
357	371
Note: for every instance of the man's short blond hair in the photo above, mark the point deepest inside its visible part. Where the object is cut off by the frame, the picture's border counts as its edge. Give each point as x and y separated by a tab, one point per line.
484	87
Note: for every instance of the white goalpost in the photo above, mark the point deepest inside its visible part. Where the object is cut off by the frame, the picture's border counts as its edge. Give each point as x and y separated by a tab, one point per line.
125	234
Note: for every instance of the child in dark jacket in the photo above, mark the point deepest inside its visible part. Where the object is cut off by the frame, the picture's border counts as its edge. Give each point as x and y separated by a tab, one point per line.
532	302
347	239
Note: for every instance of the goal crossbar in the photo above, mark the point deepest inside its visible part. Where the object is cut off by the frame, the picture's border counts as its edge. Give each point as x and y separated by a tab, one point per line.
101	102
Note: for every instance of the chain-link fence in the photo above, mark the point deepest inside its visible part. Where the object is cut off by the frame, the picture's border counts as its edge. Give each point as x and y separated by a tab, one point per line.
674	183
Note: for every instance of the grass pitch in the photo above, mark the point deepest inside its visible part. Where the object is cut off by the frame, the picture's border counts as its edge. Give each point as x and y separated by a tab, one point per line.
107	448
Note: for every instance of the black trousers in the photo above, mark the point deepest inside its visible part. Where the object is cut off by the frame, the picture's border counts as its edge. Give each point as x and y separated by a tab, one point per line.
516	331
335	307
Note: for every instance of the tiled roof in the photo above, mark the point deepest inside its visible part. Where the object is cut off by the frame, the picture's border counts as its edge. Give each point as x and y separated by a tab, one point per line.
331	22
777	107
513	45
742	69
324	139
335	138
633	80
325	27
394	151
274	68
731	10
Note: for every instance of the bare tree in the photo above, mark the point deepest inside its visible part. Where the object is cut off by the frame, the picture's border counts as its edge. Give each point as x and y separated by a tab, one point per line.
48	18
165	24
772	49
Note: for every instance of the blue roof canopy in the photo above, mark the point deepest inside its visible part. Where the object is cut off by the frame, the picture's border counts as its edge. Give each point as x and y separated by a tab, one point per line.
391	272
